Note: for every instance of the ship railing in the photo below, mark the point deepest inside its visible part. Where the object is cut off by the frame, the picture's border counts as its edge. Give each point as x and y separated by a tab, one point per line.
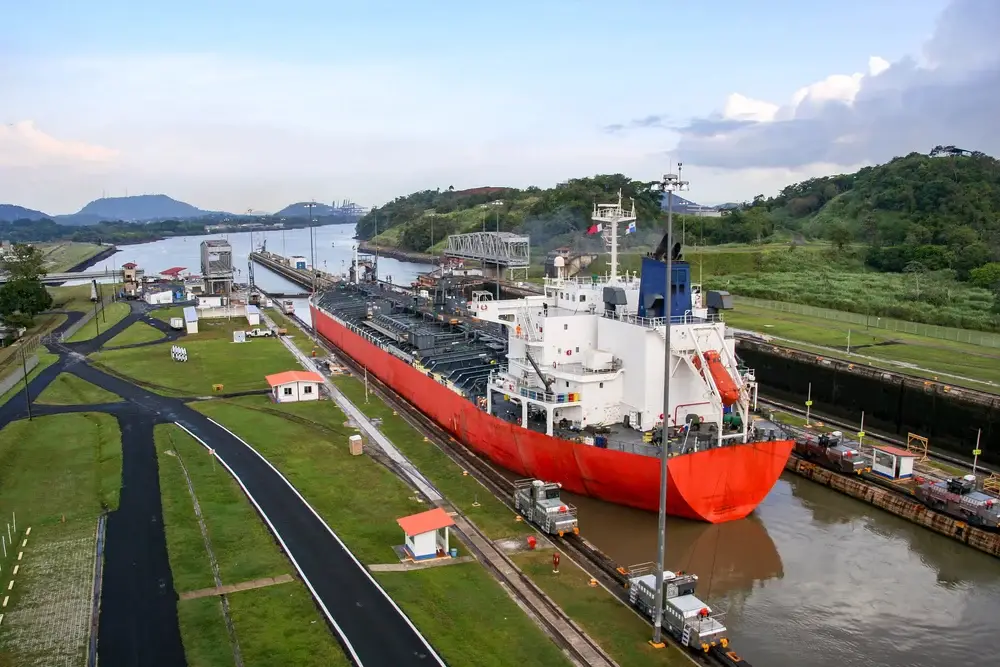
626	279
578	368
654	322
640	569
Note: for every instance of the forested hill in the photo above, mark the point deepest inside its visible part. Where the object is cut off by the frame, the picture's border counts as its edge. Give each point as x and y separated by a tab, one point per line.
557	215
940	212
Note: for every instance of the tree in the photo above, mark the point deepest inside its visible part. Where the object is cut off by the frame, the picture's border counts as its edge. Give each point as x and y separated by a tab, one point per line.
21	299
840	236
23	262
986	276
917	269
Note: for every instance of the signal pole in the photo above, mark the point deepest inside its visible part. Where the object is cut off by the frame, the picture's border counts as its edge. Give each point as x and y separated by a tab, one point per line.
312	250
670	184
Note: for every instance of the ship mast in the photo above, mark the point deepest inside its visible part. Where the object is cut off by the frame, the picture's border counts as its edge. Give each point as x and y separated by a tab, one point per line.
609	216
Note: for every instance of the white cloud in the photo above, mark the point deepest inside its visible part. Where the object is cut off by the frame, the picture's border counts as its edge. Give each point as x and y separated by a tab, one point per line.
868	117
22	144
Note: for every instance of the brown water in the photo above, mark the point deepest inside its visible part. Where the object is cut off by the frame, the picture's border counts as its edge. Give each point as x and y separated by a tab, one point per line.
816	578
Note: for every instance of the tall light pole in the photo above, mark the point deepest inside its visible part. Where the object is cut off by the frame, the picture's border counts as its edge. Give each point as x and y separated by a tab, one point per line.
312	252
670	184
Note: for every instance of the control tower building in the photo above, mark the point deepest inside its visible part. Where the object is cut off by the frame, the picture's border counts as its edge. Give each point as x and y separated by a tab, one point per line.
217	266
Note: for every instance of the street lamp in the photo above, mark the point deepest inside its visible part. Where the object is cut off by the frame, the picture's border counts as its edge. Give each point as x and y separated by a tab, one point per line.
671	183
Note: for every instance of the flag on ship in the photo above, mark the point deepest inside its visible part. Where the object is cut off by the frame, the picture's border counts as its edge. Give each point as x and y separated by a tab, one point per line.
596	229
631	228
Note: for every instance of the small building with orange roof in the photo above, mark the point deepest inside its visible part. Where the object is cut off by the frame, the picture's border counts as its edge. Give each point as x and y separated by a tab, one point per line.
294	386
426	534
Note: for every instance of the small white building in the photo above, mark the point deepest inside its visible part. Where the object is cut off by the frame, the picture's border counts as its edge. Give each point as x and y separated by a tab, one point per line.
159	298
426	534
297	262
253	316
211	301
294	386
190	319
892	462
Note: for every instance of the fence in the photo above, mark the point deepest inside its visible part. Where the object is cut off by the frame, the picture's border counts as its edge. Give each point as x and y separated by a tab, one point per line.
983	338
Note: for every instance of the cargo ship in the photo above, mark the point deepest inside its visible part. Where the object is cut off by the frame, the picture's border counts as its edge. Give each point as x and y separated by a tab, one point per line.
567	386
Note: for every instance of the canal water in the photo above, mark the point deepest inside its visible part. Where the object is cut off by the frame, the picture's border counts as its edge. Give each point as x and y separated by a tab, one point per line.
811	578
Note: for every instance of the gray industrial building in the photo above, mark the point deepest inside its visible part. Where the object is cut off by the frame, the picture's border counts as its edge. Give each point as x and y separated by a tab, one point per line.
217	266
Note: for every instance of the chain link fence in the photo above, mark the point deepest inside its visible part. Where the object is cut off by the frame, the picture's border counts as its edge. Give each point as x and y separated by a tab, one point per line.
983	338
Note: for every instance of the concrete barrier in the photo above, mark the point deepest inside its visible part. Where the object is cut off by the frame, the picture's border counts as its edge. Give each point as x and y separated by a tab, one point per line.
897	504
17	374
82	322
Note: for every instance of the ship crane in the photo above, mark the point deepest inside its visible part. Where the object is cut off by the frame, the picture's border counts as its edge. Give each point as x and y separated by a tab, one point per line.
547	381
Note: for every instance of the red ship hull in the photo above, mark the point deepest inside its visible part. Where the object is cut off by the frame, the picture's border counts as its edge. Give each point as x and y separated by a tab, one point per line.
715	485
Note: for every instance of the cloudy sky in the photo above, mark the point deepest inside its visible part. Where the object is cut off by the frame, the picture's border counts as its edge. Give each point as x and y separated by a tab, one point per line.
236	105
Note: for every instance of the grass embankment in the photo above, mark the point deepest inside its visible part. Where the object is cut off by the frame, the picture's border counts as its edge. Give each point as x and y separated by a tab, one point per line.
492	516
45	360
296	335
56	473
614	626
361	501
931	354
77	297
113	314
213	358
273	625
61	257
68	389
140	332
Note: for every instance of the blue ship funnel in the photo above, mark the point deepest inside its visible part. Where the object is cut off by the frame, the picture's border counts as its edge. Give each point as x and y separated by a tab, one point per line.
653	287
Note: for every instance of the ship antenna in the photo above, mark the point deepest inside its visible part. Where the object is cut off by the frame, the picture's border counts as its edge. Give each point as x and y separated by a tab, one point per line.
670	184
612	215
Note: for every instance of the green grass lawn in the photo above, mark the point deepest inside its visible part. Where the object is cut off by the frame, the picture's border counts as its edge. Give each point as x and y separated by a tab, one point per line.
361	501
453	604
212	359
273	625
296	335
933	354
492	516
62	256
166	314
77	297
139	332
618	629
44	361
112	315
68	389
56	474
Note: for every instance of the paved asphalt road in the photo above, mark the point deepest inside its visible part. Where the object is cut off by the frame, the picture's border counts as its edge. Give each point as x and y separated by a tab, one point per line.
138	615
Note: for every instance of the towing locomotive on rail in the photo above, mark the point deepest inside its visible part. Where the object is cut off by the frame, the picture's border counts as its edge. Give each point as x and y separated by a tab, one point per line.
956	497
540	503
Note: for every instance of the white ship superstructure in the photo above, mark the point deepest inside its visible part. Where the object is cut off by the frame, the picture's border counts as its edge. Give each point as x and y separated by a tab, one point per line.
584	355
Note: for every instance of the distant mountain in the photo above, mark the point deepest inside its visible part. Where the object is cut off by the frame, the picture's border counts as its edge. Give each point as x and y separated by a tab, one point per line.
141	208
301	210
10	213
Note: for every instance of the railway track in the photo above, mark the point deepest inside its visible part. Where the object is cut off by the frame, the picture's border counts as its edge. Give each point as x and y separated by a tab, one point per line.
584	554
889	440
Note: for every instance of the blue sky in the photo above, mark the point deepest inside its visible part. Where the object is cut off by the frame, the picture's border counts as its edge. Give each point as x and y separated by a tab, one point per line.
236	105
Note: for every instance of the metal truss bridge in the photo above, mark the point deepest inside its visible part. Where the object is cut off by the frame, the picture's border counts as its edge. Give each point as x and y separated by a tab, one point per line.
502	249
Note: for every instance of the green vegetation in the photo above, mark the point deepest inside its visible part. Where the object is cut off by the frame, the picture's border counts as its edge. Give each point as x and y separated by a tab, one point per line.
492	516
61	257
275	625
71	469
68	389
23	296
361	501
296	335
140	332
619	630
112	314
467	596
934	355
213	358
44	361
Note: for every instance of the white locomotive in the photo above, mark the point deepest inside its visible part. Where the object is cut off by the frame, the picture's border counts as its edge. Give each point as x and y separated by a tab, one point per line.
685	616
539	503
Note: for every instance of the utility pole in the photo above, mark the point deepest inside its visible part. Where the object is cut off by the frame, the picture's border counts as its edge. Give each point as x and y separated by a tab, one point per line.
670	184
975	452
312	251
24	367
498	261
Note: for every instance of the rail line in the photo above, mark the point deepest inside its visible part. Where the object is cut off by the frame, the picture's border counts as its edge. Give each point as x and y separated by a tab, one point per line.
608	573
944	458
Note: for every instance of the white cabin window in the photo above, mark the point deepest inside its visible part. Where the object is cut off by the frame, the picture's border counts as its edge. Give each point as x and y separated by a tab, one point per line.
567	384
583	297
578	349
565	327
600	386
307	389
287	391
